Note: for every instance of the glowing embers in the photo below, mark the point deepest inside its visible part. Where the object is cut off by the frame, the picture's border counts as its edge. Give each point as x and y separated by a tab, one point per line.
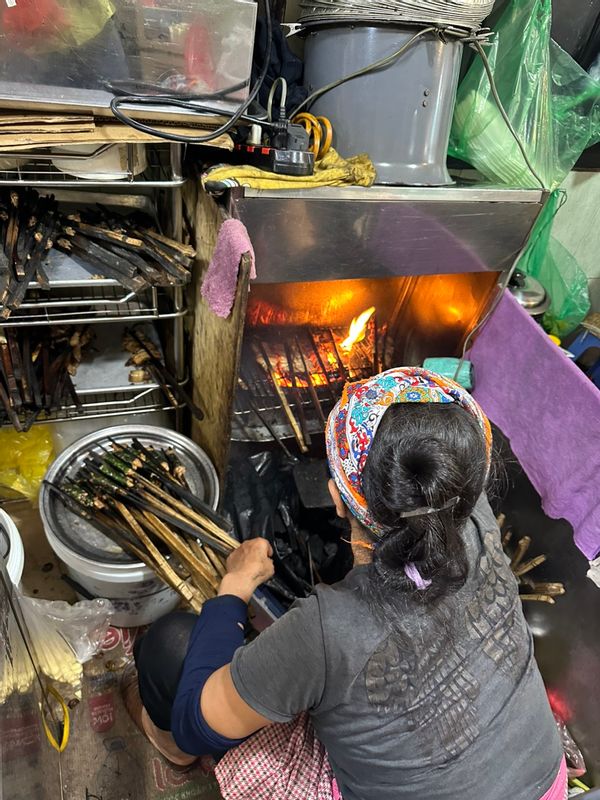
291	375
321	356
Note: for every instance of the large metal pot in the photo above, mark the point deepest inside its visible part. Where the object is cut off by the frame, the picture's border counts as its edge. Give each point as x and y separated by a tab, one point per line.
530	294
400	115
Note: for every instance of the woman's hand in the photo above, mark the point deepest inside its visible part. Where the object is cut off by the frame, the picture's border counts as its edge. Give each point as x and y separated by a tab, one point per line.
247	567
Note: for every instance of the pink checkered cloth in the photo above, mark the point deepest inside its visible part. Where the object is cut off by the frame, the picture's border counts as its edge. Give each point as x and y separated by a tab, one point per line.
285	761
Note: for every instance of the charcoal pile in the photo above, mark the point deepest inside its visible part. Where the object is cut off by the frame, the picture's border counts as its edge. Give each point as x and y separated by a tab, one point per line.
262	499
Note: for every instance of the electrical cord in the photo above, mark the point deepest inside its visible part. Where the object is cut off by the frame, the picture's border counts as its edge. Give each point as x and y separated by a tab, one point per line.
174	102
133	88
282	101
383	62
488	71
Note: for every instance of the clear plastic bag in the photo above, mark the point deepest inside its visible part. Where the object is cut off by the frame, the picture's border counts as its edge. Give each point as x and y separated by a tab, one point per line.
62	636
553	104
557	270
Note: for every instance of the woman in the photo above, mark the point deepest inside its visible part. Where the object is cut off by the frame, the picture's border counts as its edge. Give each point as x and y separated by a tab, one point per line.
415	673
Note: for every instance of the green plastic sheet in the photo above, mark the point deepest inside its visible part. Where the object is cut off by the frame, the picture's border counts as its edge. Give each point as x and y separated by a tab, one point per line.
552	103
557	270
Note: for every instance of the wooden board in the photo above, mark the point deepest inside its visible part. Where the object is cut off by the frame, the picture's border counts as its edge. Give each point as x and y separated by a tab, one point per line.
216	342
104	132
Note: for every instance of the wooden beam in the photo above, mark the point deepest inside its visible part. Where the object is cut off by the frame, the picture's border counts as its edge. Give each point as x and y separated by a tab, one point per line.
216	342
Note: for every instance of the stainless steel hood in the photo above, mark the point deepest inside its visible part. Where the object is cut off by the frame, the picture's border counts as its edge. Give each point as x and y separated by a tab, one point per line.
337	233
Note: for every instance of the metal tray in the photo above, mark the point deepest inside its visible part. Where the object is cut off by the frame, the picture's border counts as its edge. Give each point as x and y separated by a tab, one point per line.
104	368
164	170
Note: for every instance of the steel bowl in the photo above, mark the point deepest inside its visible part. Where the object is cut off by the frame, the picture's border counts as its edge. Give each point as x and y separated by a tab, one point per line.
79	535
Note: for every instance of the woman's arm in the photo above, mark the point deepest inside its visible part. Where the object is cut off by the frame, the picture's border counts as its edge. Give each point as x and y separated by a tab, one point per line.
221	705
208	714
227	690
225	711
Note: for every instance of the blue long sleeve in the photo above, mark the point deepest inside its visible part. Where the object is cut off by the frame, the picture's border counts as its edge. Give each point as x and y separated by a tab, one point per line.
218	633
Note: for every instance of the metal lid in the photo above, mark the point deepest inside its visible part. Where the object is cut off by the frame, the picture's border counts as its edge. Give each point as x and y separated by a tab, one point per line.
529	292
79	535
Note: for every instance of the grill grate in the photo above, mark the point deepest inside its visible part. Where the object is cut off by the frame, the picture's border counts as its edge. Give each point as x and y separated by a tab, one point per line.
291	377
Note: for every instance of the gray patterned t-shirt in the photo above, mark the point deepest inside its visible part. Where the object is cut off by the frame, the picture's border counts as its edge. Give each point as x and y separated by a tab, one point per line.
448	705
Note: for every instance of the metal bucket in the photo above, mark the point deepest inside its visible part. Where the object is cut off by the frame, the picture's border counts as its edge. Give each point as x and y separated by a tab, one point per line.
400	115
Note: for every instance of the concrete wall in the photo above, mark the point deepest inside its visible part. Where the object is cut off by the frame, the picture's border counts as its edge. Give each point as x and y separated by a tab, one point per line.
577	226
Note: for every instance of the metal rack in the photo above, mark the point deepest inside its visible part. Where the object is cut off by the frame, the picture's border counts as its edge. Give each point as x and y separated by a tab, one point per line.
111	404
86	305
35	168
75	297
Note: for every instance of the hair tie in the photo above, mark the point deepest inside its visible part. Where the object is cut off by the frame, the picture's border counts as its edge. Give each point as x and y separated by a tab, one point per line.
413	574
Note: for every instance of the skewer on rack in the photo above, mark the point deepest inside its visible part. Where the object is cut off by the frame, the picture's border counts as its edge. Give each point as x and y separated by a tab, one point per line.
146	354
126	250
263	360
36	371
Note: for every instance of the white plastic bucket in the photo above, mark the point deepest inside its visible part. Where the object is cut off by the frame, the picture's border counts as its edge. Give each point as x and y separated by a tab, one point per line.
137	595
15	557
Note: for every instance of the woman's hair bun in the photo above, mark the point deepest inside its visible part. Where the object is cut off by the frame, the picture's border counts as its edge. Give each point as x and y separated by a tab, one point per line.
423	456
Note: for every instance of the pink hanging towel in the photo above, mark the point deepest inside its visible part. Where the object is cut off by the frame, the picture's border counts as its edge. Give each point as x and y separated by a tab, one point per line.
220	281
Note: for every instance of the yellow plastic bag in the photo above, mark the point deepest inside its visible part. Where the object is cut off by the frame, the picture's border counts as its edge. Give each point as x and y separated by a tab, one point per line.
24	459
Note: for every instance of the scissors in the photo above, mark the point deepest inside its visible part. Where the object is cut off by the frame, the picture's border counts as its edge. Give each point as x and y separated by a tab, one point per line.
319	129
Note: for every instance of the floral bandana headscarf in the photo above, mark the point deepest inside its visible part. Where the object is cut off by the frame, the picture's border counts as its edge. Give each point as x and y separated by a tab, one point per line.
353	423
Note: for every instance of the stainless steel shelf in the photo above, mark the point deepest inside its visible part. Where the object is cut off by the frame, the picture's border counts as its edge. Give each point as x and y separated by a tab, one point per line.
164	169
102	304
146	400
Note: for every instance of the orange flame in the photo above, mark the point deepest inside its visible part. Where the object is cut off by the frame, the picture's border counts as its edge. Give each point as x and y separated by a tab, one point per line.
357	330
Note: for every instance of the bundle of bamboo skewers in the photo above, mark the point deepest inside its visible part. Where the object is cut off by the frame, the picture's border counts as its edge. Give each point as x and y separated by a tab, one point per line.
37	366
138	496
529	587
125	249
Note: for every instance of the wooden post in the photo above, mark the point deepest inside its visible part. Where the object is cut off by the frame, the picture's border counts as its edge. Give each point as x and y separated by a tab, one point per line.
216	342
